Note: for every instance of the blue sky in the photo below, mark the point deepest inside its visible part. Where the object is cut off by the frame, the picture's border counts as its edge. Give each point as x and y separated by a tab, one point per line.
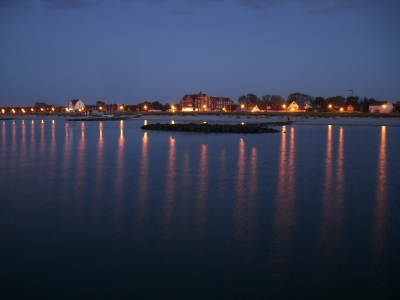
127	51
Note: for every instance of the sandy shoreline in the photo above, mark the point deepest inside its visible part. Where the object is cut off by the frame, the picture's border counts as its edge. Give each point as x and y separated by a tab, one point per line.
225	119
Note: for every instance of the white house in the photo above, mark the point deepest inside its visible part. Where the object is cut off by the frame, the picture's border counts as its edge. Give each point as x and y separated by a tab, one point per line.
292	106
75	105
380	106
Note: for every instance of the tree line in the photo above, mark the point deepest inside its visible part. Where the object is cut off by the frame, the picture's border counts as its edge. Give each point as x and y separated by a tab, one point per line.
276	101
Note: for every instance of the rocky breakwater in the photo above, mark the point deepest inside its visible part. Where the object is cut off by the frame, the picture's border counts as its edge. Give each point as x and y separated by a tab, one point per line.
223	128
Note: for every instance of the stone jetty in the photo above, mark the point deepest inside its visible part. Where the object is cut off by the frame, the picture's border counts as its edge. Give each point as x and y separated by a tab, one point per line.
223	128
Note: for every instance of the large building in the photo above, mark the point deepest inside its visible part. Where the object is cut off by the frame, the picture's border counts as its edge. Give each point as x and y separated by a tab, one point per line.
202	102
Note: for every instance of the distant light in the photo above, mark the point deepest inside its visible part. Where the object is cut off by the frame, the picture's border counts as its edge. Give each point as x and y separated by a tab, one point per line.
292	109
204	122
341	109
23	110
384	105
121	107
284	106
13	110
242	123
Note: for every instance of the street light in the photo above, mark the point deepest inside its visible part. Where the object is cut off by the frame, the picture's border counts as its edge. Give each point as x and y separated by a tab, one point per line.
341	109
242	106
283	106
145	107
204	107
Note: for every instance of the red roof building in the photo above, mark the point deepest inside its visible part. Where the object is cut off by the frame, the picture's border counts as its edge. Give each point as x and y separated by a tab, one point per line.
203	102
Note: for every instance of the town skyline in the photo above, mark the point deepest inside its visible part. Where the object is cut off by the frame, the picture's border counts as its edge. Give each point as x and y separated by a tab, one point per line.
135	51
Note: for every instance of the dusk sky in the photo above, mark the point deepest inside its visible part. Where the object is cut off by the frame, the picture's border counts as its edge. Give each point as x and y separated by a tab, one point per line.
122	51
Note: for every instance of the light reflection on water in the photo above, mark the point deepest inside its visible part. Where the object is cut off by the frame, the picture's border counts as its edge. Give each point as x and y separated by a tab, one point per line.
170	184
379	226
143	189
285	200
201	208
201	199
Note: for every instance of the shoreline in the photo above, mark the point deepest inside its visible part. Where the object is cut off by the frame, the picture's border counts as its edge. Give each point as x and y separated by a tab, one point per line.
226	119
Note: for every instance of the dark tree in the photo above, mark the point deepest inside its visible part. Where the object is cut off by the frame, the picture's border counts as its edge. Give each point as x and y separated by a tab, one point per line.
157	105
365	105
337	101
166	107
321	102
300	97
40	104
266	98
251	98
353	100
276	101
243	99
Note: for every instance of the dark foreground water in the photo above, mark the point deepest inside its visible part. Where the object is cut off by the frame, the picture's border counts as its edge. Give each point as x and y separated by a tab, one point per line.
106	210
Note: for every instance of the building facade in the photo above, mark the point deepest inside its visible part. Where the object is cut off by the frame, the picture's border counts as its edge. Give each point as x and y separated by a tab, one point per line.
380	106
203	102
75	105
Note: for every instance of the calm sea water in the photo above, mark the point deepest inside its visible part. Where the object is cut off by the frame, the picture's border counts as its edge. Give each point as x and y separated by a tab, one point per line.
107	210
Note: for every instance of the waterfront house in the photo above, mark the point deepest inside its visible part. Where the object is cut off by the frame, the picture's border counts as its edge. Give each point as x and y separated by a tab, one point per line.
350	108
380	106
293	106
75	105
